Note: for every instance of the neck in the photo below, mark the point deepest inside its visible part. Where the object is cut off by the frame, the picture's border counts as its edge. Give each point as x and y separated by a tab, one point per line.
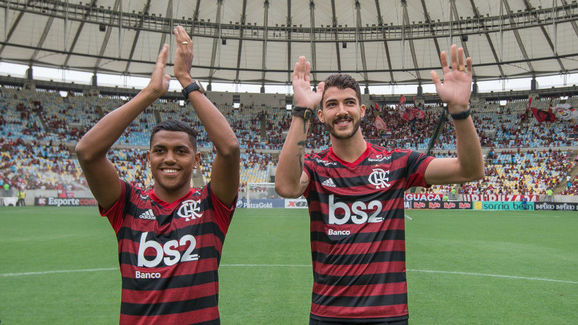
349	149
169	196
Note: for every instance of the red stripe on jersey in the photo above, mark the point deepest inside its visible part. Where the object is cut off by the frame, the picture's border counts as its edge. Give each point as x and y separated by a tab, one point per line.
192	317
361	290
359	312
208	264
169	295
359	269
359	248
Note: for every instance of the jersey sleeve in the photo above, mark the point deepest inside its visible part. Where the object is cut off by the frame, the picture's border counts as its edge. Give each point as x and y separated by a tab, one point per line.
116	213
223	213
416	165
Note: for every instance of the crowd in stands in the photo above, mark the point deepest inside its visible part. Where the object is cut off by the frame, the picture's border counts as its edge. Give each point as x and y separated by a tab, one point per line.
38	130
34	165
520	173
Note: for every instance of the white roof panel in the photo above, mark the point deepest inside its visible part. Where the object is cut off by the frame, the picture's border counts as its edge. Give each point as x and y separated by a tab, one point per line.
73	34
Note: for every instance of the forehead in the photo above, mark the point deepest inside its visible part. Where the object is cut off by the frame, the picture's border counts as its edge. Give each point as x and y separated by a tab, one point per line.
171	139
335	93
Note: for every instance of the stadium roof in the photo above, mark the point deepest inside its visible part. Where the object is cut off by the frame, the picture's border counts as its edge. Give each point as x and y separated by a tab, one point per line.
258	41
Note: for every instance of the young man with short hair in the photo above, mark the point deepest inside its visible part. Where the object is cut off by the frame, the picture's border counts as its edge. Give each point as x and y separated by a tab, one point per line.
170	238
355	193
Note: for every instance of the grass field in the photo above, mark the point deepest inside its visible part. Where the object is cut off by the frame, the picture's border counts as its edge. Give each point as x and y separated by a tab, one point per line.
59	266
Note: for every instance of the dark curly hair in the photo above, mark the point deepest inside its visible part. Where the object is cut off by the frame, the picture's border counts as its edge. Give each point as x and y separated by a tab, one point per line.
178	126
341	81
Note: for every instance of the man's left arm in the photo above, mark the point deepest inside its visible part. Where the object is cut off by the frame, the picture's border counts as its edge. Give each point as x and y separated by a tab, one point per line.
455	91
225	168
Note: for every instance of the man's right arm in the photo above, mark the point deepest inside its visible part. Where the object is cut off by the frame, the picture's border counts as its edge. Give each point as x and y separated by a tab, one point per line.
91	149
290	178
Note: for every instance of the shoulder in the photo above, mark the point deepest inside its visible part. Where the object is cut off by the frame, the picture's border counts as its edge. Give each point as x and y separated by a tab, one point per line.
321	155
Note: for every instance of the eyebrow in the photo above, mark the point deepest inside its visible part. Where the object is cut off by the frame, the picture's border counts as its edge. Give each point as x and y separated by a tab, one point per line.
347	98
180	146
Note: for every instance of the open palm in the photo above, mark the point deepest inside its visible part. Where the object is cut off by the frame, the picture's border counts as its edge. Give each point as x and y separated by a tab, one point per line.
303	95
159	81
456	87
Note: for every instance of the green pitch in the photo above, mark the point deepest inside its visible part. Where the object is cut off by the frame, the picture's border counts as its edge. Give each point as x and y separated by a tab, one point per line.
59	266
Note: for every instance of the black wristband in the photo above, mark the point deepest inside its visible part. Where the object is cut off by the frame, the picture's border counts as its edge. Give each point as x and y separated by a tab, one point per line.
304	112
462	115
194	86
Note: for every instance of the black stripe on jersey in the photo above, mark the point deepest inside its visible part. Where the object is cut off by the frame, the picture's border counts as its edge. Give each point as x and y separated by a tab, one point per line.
196	229
362	279
135	210
211	322
367	321
358	238
352	259
177	281
360	180
204	252
413	162
364	301
166	308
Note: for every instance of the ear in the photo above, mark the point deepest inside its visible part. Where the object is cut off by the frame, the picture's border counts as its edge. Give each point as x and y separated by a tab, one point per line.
197	160
149	158
363	108
320	115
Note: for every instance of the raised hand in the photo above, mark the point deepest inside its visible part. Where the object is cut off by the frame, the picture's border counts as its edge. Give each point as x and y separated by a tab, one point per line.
159	83
303	95
183	56
456	88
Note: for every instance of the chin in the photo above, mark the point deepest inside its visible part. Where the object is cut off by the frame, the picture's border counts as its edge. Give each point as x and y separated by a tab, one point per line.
172	187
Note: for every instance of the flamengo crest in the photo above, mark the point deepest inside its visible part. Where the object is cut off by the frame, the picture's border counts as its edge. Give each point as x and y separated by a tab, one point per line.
379	178
190	209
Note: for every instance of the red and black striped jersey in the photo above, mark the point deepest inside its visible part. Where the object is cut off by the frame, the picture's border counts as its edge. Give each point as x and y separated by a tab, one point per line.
358	231
169	255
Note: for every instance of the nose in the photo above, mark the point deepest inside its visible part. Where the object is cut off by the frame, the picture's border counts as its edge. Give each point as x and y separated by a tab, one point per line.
170	157
341	109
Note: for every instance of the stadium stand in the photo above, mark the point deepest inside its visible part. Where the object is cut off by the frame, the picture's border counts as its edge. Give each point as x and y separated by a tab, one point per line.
39	129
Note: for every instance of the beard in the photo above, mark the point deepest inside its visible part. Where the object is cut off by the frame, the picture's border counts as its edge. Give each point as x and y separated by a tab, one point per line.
331	129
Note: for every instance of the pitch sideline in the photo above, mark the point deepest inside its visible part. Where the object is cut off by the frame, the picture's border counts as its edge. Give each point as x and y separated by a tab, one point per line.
502	276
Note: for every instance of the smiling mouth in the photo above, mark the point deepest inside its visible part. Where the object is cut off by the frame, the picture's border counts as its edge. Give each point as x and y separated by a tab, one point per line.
342	121
169	171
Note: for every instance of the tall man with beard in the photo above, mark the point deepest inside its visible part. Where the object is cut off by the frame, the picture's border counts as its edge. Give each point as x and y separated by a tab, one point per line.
355	193
170	238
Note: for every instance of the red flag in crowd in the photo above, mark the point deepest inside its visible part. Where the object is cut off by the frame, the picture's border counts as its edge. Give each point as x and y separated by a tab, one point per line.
409	114
565	112
420	114
543	116
402	100
376	107
379	123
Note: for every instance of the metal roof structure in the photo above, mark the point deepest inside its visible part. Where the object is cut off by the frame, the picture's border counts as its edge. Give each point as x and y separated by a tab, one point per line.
378	42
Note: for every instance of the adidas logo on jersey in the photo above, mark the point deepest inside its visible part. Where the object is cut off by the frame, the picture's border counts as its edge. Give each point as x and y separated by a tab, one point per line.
148	214
328	182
